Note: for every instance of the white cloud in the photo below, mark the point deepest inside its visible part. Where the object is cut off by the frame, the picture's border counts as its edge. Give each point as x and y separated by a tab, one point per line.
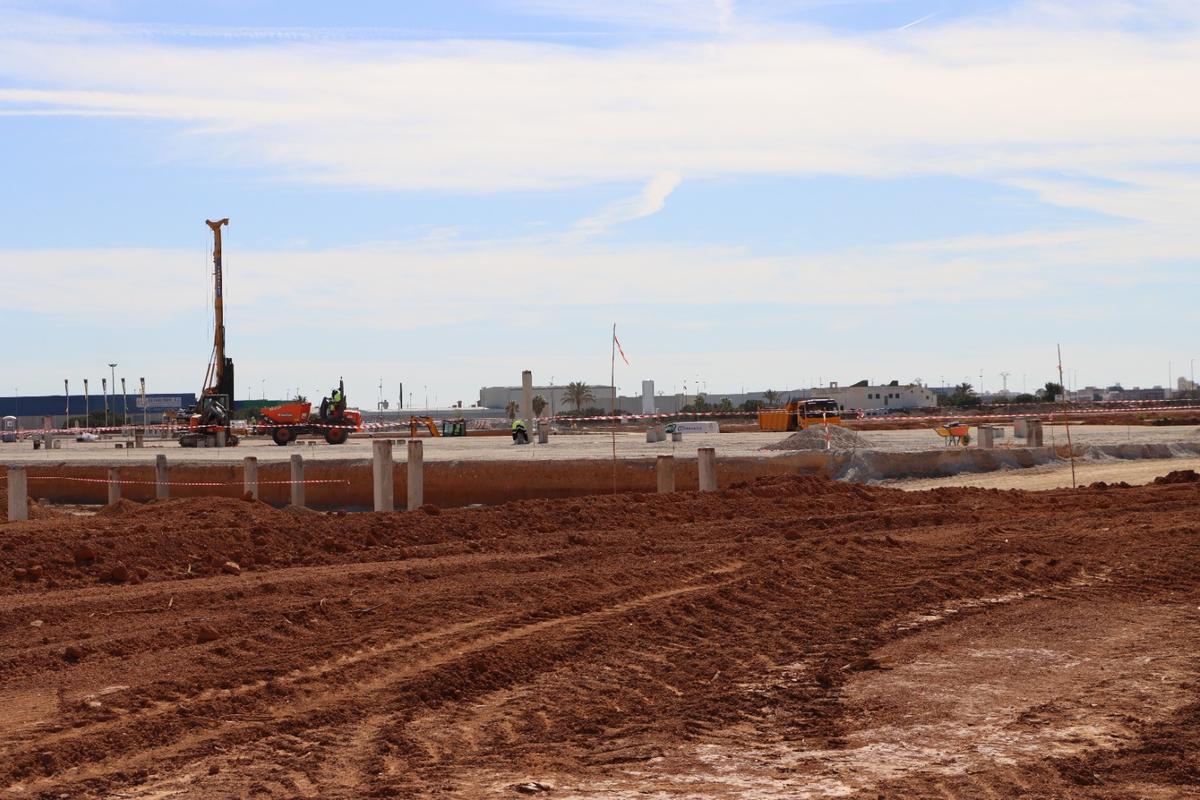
1016	96
650	200
675	15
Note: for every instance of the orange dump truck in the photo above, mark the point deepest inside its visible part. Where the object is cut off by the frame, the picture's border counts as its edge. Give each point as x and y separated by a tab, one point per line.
334	421
800	414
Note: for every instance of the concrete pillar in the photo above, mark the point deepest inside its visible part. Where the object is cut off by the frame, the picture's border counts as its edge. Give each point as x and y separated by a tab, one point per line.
18	494
651	435
706	458
114	486
383	473
676	436
162	490
139	439
527	398
1034	435
250	476
666	474
221	438
297	480
416	474
660	432
543	433
985	437
1020	428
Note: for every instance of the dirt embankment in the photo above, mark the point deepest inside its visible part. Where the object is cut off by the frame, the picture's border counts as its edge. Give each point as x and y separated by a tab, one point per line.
788	638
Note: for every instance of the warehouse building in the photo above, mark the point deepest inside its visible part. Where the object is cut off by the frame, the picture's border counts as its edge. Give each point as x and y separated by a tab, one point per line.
891	397
36	412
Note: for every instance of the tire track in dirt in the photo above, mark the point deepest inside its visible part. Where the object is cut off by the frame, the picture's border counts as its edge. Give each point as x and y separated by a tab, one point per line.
536	645
361	694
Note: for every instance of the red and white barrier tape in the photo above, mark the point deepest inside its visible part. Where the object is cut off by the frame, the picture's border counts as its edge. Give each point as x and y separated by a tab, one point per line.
684	416
177	483
1121	407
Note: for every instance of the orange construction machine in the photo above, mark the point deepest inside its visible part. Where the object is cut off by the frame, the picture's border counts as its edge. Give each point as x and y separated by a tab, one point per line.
333	421
799	415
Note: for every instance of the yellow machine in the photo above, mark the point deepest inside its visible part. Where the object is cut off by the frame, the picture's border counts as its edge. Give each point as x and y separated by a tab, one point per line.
450	427
799	415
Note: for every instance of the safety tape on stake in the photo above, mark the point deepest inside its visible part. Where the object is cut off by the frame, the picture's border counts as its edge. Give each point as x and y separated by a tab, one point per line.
179	483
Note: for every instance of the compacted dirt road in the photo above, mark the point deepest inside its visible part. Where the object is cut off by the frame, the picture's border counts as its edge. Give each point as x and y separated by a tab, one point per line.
789	639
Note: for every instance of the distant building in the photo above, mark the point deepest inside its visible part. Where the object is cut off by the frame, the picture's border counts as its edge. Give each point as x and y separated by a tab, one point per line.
867	397
32	411
1117	393
498	398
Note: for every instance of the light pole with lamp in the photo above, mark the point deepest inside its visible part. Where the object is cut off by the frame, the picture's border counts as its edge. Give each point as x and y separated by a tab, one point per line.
112	371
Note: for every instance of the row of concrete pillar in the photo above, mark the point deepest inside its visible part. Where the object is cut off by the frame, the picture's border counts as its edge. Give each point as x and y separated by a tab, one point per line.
382	471
1029	430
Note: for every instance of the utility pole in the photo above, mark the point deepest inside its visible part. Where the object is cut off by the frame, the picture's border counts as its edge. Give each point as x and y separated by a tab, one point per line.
1004	377
124	404
104	391
87	406
67	392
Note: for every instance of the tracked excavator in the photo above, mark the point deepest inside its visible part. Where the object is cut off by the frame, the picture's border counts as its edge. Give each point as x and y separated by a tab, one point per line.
209	422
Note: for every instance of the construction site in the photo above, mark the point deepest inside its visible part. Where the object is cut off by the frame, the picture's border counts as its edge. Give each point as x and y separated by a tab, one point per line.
785	604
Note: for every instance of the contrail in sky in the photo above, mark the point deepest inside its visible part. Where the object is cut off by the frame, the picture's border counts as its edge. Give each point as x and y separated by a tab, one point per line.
916	22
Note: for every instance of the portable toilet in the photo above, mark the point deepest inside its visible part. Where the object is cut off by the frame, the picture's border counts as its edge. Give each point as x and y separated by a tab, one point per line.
8	429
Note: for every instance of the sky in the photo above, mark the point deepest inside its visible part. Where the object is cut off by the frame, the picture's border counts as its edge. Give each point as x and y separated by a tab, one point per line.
758	194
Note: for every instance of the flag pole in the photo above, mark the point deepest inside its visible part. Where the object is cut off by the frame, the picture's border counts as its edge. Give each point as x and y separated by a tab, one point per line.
1066	418
612	383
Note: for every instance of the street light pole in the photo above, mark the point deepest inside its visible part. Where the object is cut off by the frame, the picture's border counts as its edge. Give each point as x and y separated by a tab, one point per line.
124	404
112	367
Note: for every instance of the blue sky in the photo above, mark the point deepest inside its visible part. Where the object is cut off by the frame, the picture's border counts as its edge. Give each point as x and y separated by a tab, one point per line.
760	194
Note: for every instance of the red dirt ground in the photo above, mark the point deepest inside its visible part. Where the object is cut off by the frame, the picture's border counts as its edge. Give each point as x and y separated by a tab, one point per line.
792	638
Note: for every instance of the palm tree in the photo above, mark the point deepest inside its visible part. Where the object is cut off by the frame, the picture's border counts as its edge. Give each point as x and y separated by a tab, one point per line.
511	409
577	394
964	395
539	405
771	397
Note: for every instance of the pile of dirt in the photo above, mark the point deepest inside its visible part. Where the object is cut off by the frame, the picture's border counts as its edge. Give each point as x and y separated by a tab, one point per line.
814	439
1178	476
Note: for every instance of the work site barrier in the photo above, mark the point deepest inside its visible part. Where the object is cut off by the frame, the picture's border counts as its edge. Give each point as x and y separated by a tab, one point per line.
478	423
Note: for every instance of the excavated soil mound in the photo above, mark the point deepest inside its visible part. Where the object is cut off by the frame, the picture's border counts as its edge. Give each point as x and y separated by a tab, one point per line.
787	637
814	439
1178	476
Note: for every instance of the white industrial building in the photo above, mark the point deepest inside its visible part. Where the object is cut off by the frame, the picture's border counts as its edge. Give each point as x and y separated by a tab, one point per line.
498	397
893	396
